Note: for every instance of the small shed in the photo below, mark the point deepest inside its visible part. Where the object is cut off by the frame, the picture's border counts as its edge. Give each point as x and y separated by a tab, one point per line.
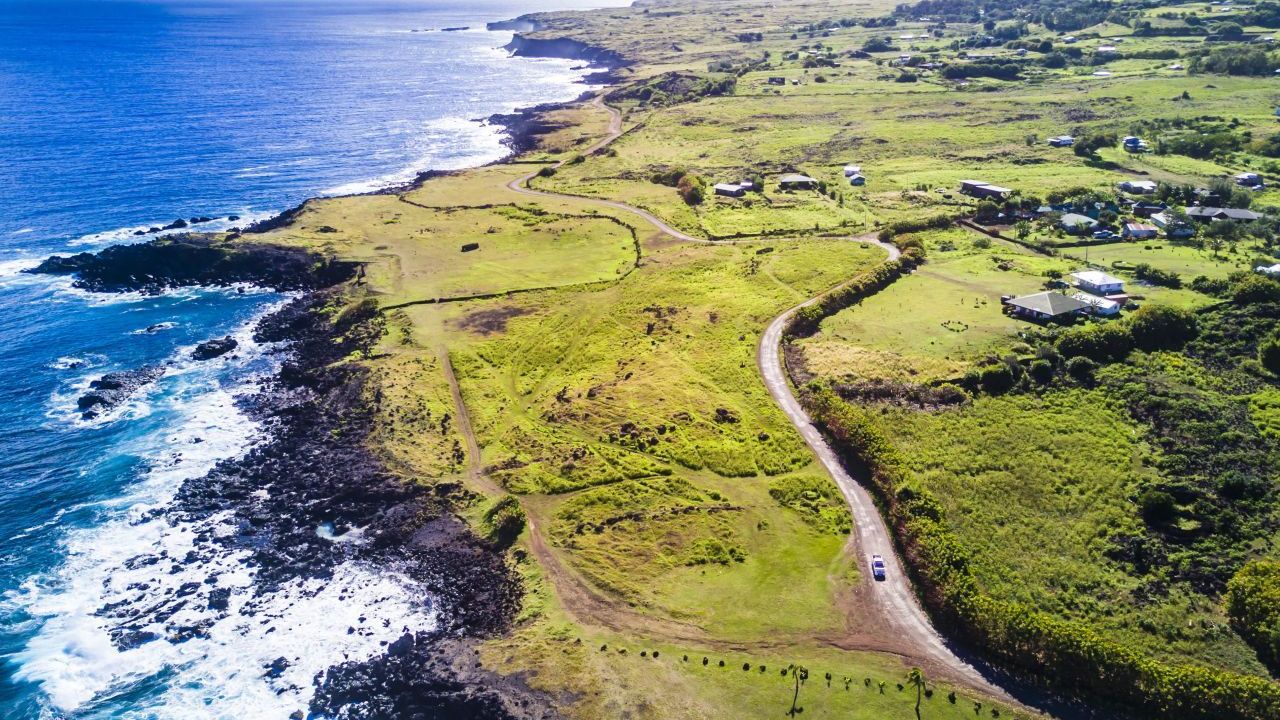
730	190
851	170
857	180
797	182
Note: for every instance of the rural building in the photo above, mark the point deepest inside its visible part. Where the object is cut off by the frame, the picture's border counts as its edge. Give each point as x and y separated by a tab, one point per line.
730	190
1045	306
1173	229
980	189
1207	197
857	180
1146	209
1272	270
1248	179
797	182
775	80
1213	214
1134	144
1098	305
1138	187
1062	141
1097	282
1075	223
851	170
1139	231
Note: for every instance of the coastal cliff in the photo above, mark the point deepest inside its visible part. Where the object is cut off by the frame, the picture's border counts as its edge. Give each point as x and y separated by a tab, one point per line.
567	48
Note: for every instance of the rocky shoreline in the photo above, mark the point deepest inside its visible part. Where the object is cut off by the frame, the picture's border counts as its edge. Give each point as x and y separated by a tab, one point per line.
314	497
180	260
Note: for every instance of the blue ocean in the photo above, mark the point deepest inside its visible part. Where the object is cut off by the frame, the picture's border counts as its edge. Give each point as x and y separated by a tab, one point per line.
120	116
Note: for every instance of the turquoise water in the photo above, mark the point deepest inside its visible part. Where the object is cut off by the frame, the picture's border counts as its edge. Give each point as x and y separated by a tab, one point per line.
120	116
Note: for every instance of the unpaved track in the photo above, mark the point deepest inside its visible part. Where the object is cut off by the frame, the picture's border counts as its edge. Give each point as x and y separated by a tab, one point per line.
894	606
899	624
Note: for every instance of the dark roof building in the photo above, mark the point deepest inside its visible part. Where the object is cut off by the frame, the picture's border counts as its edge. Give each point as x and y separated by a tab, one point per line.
1206	214
1047	305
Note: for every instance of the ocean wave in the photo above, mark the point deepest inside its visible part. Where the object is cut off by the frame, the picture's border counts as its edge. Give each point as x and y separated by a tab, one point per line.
130	234
142	599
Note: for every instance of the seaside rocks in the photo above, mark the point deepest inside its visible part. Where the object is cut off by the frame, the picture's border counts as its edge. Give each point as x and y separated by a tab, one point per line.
182	260
111	389
214	348
417	678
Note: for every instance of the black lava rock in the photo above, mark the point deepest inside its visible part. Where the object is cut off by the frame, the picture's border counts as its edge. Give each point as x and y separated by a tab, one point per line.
214	348
111	389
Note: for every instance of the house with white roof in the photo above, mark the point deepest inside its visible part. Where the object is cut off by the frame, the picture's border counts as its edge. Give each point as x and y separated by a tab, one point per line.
1098	305
1097	282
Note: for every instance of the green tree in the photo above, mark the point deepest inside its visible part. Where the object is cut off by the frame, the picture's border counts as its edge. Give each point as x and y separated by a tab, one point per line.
1253	604
798	675
1255	288
1162	327
916	679
1269	353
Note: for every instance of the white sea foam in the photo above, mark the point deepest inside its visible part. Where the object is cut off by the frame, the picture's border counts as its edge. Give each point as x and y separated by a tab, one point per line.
223	672
127	235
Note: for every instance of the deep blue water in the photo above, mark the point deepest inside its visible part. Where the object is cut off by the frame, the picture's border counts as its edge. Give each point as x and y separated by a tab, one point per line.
123	115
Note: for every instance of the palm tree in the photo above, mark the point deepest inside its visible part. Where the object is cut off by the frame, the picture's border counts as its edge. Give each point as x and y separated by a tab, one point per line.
799	675
916	678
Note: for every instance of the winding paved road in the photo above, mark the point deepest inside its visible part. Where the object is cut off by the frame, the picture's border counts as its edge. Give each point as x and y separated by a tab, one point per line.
902	621
893	599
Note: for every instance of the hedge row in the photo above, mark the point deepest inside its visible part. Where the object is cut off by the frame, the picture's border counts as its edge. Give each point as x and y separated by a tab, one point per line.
1067	656
806	320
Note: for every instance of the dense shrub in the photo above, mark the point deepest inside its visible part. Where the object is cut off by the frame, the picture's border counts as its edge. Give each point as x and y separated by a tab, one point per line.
1104	342
1089	145
1253	604
692	189
1269	353
996	379
1041	371
1082	369
1233	61
1255	288
1146	273
1161	327
505	521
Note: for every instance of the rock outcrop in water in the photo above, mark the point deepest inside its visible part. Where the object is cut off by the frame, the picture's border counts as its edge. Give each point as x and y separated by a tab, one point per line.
216	347
182	260
107	392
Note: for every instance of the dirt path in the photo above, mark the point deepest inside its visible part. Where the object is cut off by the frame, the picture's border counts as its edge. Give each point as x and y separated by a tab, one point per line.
892	620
